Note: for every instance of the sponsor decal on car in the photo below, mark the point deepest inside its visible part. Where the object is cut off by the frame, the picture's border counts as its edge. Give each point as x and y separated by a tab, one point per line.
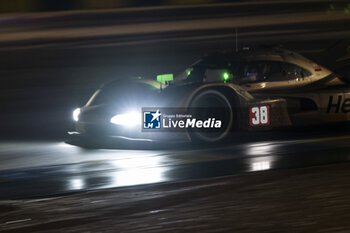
338	105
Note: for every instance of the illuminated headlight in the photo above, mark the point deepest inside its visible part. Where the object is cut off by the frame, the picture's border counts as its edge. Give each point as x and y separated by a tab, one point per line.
76	114
129	119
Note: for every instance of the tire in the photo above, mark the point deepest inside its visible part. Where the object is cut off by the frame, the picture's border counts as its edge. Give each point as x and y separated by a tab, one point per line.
222	109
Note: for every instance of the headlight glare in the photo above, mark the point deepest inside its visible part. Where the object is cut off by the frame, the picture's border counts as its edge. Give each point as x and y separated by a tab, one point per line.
129	119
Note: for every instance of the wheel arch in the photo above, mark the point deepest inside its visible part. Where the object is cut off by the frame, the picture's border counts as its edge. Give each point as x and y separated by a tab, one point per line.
234	93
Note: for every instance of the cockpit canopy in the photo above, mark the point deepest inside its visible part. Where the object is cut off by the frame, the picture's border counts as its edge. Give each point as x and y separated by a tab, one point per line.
277	69
240	70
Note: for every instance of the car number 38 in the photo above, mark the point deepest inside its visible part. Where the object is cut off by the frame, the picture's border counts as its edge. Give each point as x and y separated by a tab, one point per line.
259	115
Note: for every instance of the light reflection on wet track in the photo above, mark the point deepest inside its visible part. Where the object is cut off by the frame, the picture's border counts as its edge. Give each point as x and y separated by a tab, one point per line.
35	169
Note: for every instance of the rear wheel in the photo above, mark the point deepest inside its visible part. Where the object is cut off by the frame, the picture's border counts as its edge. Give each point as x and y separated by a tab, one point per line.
215	105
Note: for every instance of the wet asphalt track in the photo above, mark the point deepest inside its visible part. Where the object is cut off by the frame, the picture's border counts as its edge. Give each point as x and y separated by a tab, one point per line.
39	169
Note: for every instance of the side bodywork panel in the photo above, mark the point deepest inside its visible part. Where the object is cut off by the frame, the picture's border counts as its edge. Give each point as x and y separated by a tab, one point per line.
316	107
181	96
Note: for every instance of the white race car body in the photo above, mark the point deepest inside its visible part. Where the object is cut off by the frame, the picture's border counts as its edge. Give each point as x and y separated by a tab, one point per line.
265	88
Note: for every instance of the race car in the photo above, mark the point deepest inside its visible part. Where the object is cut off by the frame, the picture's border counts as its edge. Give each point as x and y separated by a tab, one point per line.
227	92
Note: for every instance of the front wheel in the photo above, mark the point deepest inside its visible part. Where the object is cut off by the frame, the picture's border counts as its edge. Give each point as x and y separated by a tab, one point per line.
212	104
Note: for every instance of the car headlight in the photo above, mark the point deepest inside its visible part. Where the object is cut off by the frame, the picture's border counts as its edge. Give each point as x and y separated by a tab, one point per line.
76	114
129	119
